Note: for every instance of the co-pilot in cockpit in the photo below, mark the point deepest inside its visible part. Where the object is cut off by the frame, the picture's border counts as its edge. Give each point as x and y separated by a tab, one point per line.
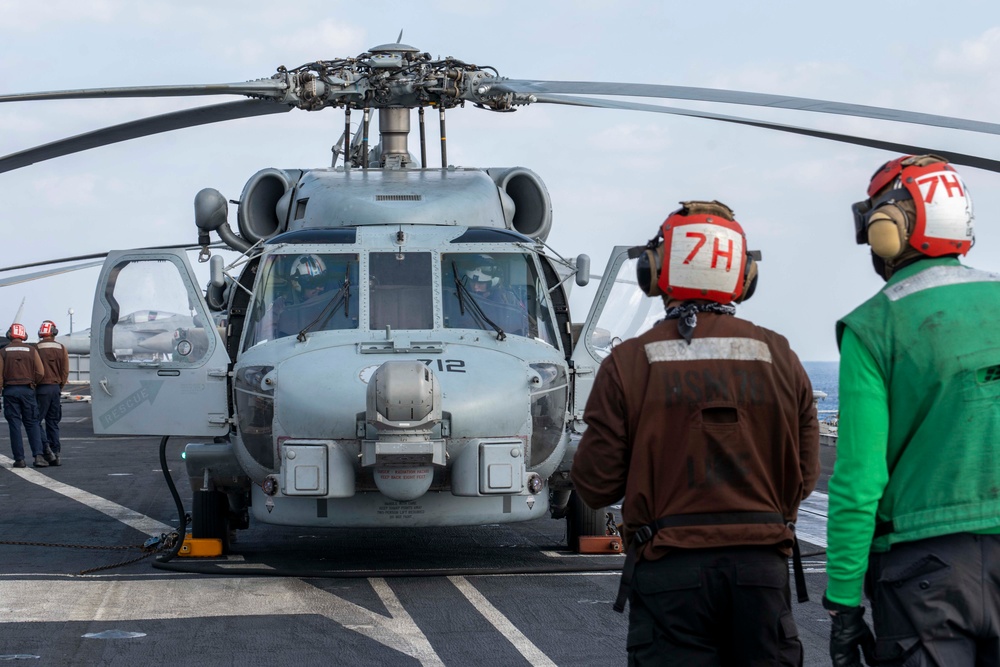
499	291
303	293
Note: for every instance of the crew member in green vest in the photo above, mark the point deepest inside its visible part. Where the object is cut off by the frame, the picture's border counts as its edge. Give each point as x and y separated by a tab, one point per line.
914	516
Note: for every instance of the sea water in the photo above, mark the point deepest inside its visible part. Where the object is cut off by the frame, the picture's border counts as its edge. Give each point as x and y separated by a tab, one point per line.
823	375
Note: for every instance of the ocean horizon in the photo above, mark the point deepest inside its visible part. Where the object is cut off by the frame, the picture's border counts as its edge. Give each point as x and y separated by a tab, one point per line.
823	375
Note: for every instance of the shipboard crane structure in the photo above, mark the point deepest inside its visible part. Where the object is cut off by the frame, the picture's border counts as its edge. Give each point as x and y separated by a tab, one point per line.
396	346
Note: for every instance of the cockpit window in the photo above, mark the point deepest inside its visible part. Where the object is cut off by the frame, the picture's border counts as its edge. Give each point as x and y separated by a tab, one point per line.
303	293
401	293
495	291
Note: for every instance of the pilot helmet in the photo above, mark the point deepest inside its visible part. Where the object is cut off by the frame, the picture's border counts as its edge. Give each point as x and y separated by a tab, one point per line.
17	332
482	275
48	328
307	271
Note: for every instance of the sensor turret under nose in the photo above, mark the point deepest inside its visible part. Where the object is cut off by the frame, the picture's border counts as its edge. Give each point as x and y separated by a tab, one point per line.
404	406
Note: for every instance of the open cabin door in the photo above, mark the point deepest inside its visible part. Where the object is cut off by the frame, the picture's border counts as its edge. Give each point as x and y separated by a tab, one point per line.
620	311
157	363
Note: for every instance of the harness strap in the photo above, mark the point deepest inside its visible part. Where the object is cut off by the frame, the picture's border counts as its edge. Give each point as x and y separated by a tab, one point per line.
645	534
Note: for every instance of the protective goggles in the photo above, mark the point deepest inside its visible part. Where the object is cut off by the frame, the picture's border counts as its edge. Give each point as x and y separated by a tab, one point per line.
863	210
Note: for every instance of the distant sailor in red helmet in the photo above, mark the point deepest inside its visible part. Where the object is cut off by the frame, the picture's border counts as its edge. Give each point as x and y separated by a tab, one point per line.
914	516
706	426
48	393
21	369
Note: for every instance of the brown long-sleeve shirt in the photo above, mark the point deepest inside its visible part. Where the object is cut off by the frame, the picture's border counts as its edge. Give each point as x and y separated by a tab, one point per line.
725	424
20	364
55	360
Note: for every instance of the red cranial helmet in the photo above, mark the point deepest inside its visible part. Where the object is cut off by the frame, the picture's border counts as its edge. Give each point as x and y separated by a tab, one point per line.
17	332
700	253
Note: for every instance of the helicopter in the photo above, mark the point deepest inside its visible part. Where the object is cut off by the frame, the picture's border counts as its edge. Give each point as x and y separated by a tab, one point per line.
395	346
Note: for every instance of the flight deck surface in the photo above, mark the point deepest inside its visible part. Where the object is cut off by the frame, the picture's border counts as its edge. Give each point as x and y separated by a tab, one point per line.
403	596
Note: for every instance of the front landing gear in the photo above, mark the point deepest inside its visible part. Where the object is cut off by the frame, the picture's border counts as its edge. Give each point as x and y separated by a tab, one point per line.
209	534
590	531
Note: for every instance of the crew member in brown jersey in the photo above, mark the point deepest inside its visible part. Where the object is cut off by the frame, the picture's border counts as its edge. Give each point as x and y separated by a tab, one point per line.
48	393
21	369
705	426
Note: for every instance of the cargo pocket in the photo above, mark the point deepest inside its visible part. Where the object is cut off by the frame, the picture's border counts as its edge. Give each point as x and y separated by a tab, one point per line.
908	595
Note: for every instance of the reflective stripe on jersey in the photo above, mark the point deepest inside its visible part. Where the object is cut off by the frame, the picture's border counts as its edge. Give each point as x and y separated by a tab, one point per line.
700	349
49	344
937	276
11	348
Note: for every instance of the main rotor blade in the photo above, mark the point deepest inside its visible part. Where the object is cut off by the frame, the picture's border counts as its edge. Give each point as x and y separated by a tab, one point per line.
38	275
740	97
143	127
263	88
101	255
951	156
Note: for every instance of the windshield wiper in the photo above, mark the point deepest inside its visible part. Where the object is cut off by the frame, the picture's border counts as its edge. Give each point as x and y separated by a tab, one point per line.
342	297
463	293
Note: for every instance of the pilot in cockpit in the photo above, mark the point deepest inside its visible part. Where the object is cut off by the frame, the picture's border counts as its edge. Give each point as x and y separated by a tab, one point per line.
491	298
483	282
306	282
307	278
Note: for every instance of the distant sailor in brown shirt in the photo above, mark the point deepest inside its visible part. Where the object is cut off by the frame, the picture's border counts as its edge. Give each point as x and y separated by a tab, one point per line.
705	425
48	393
21	369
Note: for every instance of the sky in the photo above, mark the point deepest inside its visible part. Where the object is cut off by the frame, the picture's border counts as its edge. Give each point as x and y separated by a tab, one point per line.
613	175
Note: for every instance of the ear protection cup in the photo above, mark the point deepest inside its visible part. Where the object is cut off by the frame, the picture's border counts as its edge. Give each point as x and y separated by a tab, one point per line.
647	270
749	279
48	328
888	231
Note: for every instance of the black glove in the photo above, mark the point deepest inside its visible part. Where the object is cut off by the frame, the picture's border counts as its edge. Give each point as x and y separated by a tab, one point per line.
848	632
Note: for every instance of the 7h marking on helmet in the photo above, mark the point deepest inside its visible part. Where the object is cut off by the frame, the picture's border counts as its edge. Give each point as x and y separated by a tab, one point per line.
716	253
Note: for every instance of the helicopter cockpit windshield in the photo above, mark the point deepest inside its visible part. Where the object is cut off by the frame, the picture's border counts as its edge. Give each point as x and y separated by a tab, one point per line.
499	291
304	292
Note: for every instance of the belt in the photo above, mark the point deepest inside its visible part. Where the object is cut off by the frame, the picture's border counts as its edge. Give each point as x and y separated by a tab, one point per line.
646	533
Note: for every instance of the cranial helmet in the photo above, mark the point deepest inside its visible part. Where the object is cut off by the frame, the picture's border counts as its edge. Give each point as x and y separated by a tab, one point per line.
700	253
17	332
307	270
917	205
48	328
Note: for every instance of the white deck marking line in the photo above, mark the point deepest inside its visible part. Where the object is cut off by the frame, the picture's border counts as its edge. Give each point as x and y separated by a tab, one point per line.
129	517
531	653
58	601
423	651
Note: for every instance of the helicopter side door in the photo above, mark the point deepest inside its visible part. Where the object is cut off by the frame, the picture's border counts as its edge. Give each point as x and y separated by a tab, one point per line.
158	365
620	311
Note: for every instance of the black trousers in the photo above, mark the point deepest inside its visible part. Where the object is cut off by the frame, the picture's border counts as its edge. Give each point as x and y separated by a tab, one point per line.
937	601
713	607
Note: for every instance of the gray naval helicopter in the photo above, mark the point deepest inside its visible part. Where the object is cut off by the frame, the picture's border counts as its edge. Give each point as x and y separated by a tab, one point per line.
393	345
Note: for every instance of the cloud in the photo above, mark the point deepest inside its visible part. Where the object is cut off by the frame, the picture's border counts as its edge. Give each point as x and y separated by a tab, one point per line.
973	56
19	16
